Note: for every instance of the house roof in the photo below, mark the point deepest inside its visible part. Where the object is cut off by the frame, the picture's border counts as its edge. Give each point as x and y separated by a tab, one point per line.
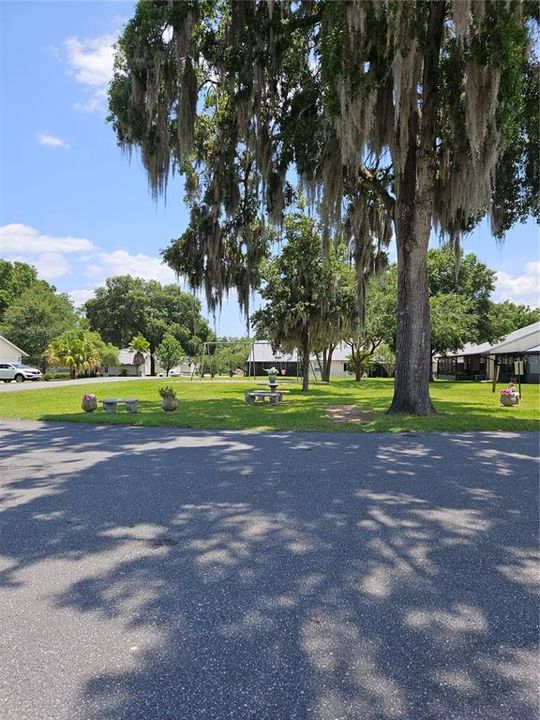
523	340
8	342
261	351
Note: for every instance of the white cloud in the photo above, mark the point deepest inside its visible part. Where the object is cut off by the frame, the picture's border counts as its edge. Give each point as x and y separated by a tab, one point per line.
45	138
23	239
58	256
51	265
522	289
93	270
95	102
121	262
90	61
79	297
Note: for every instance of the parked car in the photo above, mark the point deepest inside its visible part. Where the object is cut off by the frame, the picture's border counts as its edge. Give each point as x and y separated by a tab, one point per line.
18	372
175	372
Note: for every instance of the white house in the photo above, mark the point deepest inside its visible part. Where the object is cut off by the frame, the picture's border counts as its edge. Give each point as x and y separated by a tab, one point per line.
126	367
9	352
262	357
338	366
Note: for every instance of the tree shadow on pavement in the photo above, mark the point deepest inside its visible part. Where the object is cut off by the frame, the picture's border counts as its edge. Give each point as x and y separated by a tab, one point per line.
271	577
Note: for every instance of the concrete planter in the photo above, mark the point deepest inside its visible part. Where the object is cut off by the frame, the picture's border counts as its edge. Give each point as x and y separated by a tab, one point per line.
89	404
509	400
169	404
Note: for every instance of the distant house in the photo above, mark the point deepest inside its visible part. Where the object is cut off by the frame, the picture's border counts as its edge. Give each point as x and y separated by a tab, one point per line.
126	367
9	352
262	357
479	362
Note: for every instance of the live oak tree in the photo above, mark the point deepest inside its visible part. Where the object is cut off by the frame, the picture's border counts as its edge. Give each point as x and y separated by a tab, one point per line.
426	111
129	306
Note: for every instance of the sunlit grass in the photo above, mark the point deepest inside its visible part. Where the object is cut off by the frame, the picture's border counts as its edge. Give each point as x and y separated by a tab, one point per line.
220	404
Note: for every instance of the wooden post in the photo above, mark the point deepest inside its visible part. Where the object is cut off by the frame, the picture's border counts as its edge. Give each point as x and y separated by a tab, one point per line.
496	370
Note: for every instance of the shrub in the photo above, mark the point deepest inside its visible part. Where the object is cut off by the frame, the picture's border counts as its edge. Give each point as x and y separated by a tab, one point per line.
167	392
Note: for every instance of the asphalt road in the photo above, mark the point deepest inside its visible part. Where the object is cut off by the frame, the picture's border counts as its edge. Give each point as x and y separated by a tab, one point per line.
162	574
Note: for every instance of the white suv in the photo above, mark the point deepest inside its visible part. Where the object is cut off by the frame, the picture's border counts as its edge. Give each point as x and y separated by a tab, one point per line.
18	372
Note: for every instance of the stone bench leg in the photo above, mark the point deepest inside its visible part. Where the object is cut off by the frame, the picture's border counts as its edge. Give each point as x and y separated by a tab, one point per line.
110	408
250	399
132	407
274	399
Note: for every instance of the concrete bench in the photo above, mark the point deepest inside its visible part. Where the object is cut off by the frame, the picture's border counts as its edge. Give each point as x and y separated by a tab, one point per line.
110	404
274	397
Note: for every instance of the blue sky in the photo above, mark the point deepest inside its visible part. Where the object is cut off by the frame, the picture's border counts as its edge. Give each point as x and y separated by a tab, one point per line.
73	205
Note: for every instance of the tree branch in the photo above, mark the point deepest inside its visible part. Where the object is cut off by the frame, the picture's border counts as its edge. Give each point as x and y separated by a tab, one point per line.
305	21
378	187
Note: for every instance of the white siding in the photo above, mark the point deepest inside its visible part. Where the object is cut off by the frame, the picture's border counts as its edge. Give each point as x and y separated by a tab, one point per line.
9	352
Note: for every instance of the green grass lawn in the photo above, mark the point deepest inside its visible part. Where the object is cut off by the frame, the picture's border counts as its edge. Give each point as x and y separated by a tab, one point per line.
220	404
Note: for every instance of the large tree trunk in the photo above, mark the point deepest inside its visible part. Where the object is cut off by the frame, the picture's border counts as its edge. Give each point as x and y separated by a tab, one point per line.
305	364
415	184
413	357
152	363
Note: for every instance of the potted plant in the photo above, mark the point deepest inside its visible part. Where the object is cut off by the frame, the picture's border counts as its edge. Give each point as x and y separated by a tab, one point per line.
168	394
272	375
89	402
509	396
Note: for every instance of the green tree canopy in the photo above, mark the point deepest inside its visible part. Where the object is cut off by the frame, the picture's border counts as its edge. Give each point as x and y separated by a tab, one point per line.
232	356
453	323
80	351
15	279
129	306
109	354
460	273
169	353
505	317
35	318
139	344
380	321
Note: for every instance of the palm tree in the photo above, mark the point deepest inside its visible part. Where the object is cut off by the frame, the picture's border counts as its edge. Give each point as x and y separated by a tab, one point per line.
76	350
139	345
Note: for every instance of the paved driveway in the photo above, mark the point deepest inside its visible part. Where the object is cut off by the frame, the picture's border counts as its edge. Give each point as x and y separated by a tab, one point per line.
36	385
159	574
